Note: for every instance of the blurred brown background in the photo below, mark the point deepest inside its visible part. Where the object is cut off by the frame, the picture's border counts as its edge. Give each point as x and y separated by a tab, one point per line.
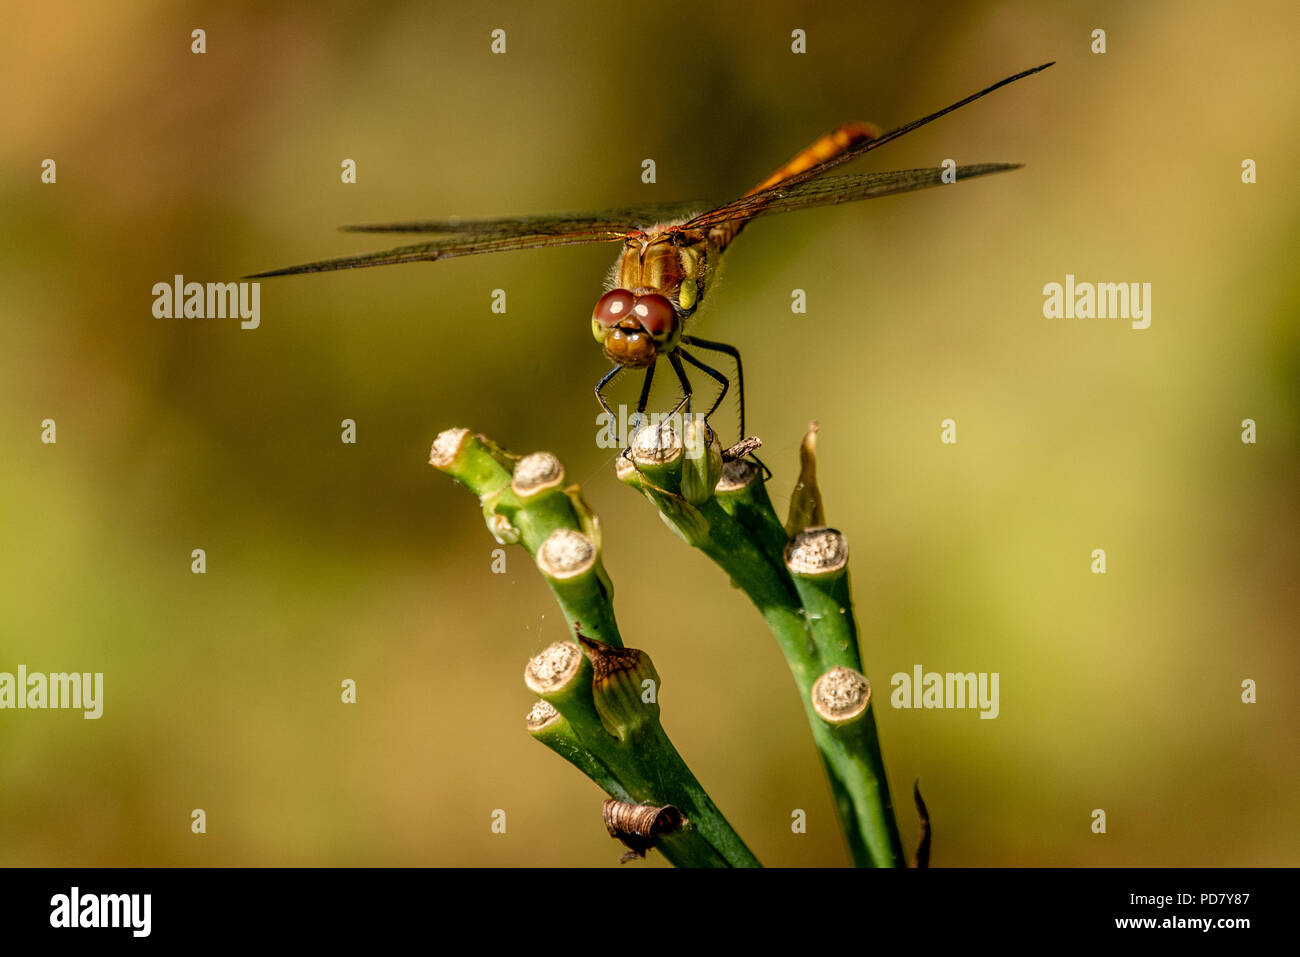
328	561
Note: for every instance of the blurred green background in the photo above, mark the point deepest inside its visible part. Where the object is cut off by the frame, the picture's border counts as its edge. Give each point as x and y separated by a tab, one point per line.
329	561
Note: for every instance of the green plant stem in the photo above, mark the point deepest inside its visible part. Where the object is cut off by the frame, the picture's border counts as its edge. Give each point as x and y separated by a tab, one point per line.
558	735
751	507
857	756
674	778
586	601
649	770
775	593
646	768
740	532
829	606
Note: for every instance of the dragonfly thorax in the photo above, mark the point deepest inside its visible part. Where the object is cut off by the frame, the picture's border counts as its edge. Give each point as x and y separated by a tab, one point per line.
667	261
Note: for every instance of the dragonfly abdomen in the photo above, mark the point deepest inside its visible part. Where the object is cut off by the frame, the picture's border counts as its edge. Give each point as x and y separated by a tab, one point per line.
826	147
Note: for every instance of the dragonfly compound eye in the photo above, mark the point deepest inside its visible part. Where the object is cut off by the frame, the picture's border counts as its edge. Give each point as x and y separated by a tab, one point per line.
656	315
613	307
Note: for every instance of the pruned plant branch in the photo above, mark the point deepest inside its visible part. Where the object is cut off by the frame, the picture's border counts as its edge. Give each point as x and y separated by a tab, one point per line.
599	701
796	574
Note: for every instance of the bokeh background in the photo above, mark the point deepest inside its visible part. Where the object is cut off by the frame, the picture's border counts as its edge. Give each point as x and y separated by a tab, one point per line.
329	561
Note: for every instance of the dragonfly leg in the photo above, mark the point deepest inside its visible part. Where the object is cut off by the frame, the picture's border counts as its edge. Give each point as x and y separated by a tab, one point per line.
740	369
715	375
675	357
600	397
740	383
644	400
686	384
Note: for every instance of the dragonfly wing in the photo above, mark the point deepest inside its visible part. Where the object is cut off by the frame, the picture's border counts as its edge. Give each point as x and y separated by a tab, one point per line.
471	237
832	190
875	142
809	187
801	189
560	224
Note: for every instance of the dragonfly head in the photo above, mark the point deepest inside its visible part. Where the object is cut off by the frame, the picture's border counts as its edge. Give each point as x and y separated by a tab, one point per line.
634	329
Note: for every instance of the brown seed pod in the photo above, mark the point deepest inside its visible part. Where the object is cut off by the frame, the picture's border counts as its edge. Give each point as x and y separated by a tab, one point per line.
639	825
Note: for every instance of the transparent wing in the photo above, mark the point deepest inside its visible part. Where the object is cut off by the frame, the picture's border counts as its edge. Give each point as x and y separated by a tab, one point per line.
471	237
866	146
557	224
812	187
832	190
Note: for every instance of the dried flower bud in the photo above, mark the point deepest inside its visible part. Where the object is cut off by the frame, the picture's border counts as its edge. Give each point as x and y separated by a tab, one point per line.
625	687
806	498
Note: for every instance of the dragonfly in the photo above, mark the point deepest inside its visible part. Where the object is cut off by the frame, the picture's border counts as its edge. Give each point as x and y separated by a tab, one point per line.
670	251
